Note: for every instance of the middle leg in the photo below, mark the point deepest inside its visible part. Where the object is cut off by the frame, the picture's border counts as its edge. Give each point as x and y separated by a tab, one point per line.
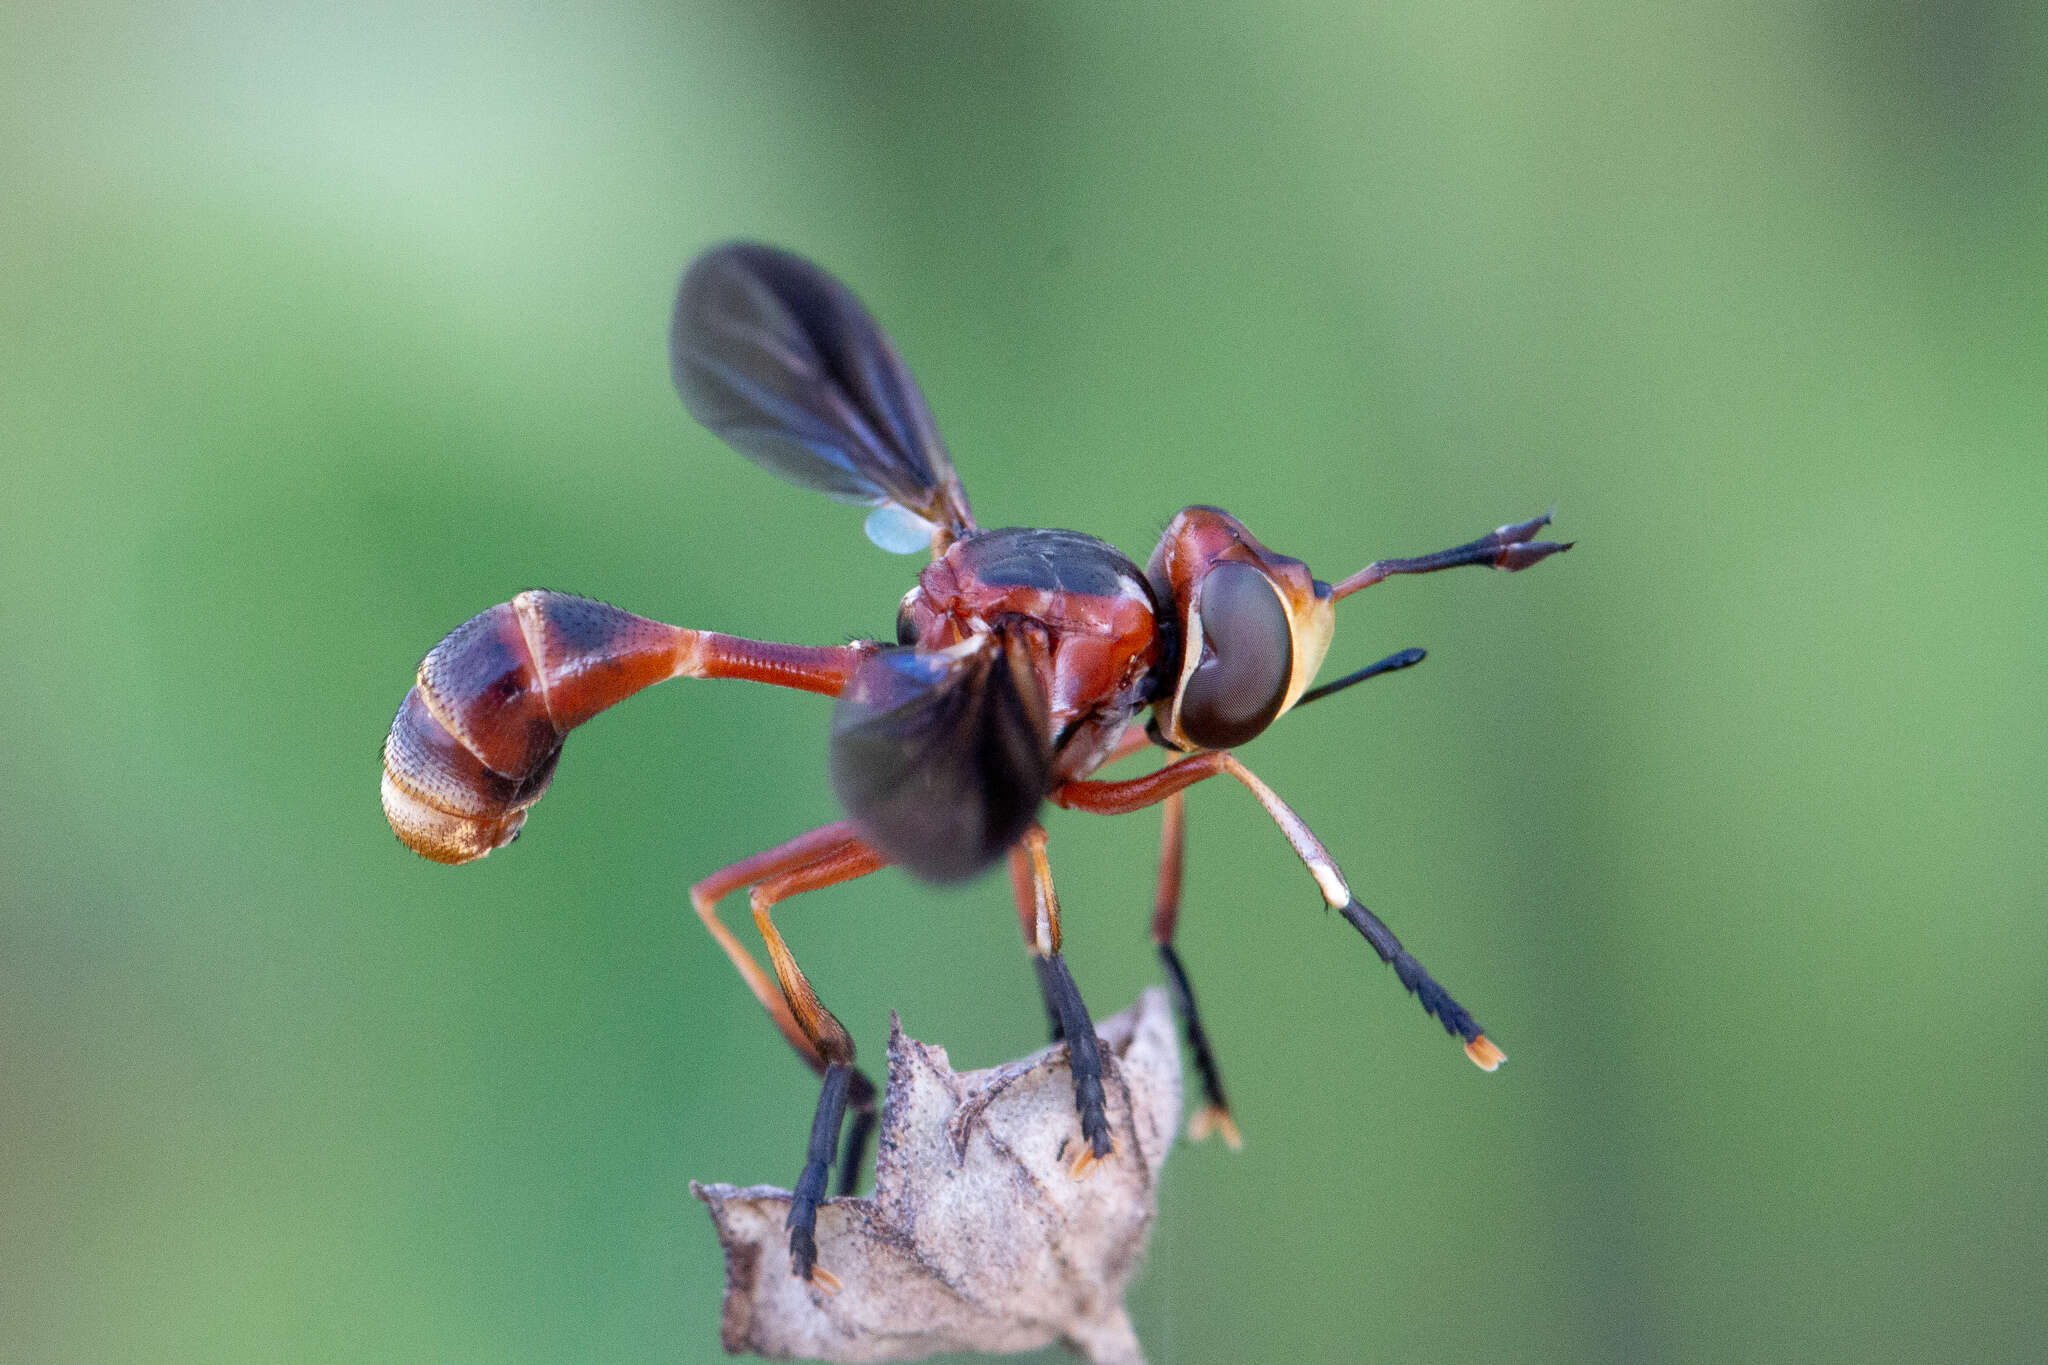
1038	909
1024	890
1214	1115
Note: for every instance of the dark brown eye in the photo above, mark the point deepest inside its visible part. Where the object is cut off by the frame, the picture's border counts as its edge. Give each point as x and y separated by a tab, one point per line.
1248	651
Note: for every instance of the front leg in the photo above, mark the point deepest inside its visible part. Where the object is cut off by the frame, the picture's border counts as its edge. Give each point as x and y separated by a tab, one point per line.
1337	895
1118	798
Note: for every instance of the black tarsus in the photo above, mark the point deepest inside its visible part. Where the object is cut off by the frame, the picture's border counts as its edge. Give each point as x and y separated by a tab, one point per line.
1435	999
1183	994
810	1186
1084	1053
861	1100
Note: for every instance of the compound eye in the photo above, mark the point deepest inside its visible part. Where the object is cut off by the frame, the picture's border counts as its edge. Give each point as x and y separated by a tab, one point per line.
1248	659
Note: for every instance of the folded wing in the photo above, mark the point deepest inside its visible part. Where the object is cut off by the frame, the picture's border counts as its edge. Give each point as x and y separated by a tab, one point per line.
941	758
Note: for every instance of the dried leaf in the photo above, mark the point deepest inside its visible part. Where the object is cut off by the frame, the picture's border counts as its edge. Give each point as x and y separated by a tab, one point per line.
979	1236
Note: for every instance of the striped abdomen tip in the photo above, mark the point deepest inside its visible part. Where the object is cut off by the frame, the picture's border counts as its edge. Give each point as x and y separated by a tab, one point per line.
475	741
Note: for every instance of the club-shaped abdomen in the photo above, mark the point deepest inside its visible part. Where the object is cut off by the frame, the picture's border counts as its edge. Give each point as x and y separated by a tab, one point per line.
476	739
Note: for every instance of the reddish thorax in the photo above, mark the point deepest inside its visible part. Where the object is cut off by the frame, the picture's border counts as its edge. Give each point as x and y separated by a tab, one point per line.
1093	652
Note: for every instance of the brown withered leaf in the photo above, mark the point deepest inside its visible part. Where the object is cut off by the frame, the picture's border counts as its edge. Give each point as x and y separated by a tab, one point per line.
978	1237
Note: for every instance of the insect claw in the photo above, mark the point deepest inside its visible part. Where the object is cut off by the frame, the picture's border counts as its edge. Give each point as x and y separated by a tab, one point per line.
1085	1161
1517	531
1484	1054
1214	1118
1516	557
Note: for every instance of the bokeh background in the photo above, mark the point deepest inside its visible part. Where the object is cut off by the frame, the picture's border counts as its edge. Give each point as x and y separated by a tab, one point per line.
324	327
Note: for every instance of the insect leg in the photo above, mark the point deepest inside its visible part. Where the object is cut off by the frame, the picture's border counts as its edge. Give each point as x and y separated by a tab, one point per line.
1023	889
1041	917
1214	1115
810	1186
1117	798
824	857
1136	793
706	894
831	1041
1434	998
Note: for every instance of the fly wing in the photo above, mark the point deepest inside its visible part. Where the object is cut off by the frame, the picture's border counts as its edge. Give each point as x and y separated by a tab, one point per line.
784	364
941	758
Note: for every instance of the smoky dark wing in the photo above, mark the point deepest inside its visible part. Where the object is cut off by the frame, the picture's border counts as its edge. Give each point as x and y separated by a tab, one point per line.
783	362
940	759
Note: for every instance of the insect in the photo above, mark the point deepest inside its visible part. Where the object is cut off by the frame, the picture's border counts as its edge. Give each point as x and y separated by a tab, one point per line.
1023	662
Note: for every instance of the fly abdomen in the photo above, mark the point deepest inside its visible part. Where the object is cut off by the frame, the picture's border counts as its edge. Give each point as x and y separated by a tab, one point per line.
475	741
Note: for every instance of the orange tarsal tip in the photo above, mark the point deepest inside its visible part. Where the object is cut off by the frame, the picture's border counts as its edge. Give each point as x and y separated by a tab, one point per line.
1211	1118
1083	1165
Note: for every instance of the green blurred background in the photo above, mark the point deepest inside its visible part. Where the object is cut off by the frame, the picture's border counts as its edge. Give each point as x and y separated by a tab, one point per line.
322	328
